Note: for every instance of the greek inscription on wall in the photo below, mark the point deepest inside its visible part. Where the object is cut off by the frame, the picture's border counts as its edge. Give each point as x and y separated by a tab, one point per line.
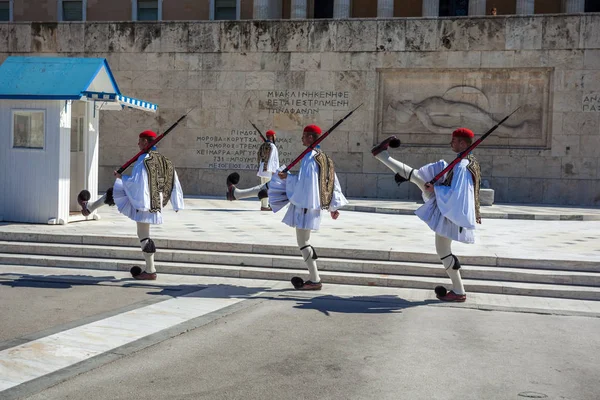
306	102
591	102
238	150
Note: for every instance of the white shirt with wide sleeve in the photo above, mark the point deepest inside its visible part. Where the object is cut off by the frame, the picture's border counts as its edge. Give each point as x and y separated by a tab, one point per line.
304	211
132	194
451	212
272	163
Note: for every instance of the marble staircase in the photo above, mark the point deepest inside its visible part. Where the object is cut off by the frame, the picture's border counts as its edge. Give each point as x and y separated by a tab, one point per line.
543	278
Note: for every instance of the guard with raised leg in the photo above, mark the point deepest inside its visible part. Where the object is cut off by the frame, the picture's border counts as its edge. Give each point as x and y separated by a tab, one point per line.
450	210
268	163
141	197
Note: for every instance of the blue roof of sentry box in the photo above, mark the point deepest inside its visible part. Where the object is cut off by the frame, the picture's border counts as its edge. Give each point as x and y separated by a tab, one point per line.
51	78
63	78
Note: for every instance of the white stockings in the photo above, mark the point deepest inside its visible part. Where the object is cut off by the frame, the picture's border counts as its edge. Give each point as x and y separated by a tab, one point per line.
93	206
443	247
308	253
264	203
402	169
246	193
143	233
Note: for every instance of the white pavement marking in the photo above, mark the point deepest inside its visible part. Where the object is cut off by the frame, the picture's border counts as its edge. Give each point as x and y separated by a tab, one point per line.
41	357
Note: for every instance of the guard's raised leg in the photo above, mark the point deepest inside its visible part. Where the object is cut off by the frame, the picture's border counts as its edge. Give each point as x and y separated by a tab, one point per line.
233	193
88	207
403	172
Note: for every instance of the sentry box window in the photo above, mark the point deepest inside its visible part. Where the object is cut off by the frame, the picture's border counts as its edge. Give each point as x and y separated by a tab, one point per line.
28	129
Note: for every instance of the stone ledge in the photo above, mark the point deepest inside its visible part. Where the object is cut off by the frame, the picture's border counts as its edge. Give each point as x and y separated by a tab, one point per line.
488	212
486	197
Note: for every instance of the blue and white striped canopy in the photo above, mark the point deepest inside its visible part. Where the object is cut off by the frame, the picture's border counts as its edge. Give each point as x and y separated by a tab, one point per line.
135	103
124	101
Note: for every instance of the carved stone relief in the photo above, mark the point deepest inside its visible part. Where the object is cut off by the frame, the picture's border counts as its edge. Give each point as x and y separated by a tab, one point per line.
422	107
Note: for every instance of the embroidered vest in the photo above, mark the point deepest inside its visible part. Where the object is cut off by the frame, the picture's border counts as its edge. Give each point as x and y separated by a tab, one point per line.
264	153
326	178
160	177
475	171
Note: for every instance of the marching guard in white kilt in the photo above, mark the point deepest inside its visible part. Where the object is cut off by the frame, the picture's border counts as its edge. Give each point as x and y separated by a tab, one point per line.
141	197
313	189
451	208
268	163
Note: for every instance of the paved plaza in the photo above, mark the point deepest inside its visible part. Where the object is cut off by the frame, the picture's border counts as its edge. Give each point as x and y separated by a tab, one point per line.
84	333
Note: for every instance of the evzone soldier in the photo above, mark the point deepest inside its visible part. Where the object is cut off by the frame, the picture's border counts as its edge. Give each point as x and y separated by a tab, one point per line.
268	163
451	208
141	197
313	189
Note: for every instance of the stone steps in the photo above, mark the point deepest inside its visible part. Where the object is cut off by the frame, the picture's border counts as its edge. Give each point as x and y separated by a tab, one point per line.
353	278
547	278
95	253
488	279
109	243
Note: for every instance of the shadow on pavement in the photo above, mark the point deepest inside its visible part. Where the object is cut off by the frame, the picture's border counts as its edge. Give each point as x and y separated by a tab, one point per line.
53	281
218	291
358	304
325	304
354	305
70	281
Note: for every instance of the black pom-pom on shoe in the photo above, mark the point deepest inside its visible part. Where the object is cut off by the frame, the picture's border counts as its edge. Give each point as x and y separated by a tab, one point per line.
135	271
297	282
440	291
84	195
391	141
82	199
395	143
233	179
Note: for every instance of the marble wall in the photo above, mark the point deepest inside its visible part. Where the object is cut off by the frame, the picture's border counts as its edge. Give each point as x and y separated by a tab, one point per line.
416	77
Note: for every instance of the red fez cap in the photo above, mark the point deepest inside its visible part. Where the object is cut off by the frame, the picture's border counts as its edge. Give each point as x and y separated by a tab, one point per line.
270	133
148	134
463	132
312	129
